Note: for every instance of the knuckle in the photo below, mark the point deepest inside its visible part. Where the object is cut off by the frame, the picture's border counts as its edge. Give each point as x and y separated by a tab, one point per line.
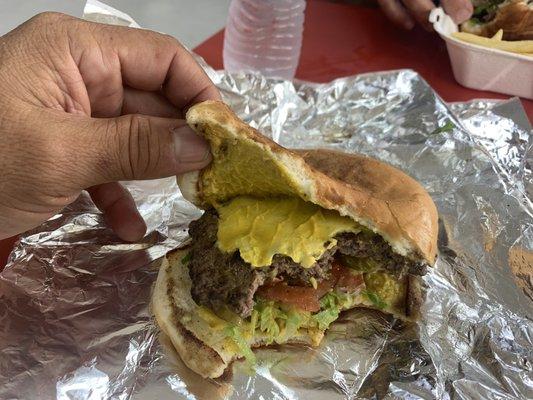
166	45
49	17
163	38
171	40
44	34
138	146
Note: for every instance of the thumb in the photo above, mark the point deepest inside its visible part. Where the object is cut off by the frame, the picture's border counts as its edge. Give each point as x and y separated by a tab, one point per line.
459	10
136	147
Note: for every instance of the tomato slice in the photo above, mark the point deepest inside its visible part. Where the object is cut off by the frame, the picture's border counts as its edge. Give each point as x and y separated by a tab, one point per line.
307	298
346	279
304	298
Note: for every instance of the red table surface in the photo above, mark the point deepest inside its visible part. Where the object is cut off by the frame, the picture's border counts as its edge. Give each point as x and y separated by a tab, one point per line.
342	39
5	248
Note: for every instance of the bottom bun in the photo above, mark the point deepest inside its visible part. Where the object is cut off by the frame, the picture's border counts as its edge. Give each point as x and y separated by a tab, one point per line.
178	316
198	356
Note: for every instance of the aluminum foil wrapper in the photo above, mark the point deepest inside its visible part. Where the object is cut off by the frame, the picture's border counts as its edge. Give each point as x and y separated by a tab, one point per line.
75	321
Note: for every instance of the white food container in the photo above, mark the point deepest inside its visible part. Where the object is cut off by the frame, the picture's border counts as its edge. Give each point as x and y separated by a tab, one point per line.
483	68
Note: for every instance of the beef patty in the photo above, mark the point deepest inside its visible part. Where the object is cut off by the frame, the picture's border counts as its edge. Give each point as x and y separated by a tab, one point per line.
225	279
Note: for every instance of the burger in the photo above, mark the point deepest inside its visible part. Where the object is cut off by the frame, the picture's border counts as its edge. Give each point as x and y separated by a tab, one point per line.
514	17
289	239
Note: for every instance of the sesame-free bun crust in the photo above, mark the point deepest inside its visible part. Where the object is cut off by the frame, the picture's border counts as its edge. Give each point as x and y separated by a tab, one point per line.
515	17
409	204
247	163
173	281
373	193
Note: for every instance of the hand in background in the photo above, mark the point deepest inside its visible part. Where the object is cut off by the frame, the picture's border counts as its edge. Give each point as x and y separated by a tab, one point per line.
84	105
406	13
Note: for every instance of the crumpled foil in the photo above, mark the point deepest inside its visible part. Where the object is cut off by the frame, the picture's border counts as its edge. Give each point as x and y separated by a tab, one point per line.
75	321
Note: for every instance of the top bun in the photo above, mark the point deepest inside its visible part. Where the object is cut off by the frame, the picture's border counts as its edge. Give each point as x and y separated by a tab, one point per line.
374	194
515	17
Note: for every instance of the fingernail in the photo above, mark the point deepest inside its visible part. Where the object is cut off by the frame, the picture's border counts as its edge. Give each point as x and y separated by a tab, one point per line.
462	15
190	148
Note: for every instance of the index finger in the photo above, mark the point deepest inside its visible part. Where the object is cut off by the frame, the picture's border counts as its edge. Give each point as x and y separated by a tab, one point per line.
420	9
459	10
144	60
394	10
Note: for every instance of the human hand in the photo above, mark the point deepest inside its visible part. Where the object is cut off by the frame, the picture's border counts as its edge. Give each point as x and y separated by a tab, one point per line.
84	105
405	13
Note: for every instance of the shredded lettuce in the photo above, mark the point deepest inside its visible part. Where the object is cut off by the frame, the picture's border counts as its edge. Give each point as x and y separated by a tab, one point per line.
186	258
254	319
278	322
489	6
338	299
485	12
295	320
331	306
329	300
268	318
234	333
375	299
275	322
449	126
326	317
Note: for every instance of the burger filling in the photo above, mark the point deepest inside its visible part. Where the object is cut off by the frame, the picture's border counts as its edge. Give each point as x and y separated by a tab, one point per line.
225	280
257	271
485	11
272	269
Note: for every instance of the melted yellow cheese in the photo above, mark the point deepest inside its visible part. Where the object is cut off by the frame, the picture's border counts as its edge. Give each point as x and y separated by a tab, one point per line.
240	167
214	321
390	289
261	228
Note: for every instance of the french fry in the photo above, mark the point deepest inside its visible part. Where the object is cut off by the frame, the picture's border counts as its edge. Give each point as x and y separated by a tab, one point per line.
498	36
524	47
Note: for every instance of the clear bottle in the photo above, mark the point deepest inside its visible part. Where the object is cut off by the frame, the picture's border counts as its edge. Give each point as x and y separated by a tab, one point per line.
264	36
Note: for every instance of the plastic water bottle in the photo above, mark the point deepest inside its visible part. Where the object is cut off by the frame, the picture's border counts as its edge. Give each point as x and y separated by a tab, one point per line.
264	36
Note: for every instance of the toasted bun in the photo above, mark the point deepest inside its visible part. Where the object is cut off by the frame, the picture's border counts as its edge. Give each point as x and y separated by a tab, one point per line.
374	194
521	263
515	17
198	356
382	181
178	317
